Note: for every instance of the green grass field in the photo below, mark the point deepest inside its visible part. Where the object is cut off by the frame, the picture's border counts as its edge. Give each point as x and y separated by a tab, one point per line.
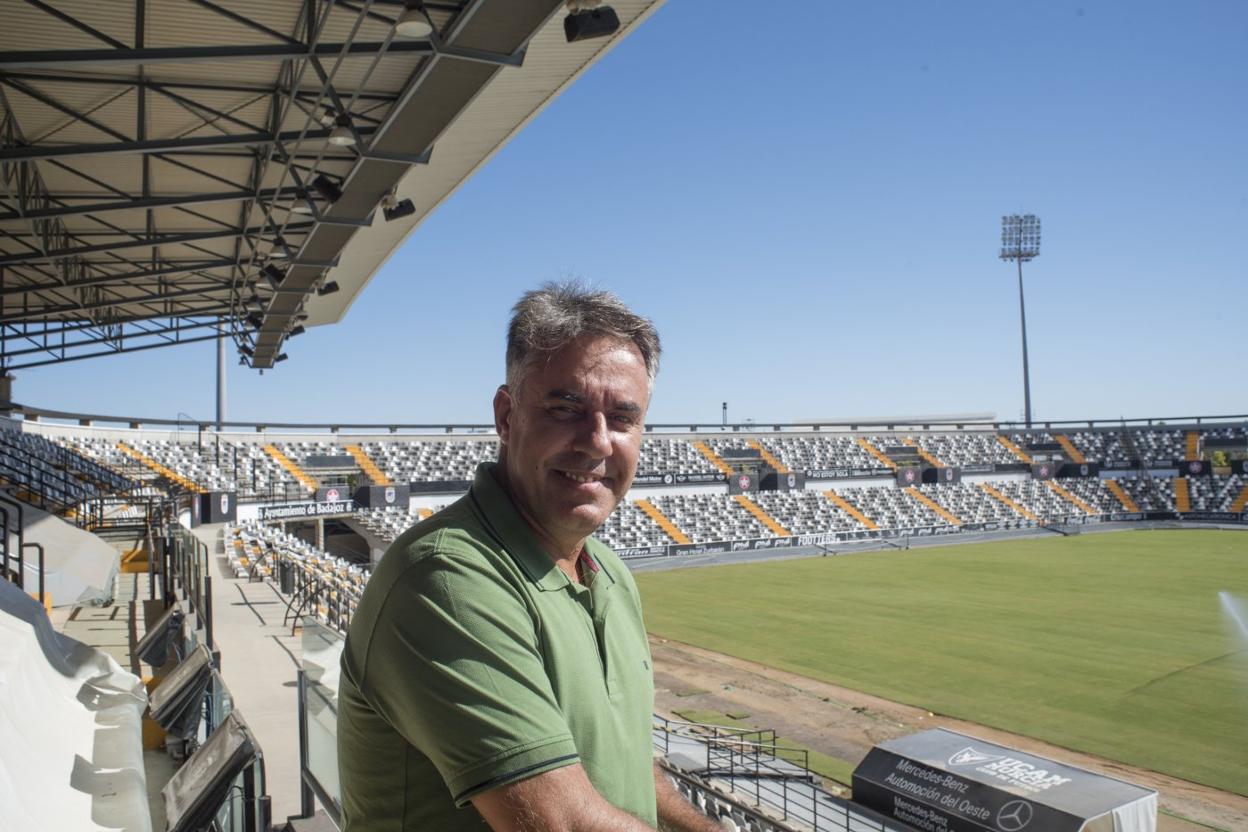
1113	644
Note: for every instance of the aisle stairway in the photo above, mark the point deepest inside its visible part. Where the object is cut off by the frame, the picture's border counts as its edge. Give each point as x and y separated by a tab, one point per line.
927	457
1014	449
933	505
1193	445
767	456
1070	449
370	468
712	457
1242	500
1070	498
850	509
291	468
1182	497
1123	496
875	452
763	517
668	527
167	473
1007	502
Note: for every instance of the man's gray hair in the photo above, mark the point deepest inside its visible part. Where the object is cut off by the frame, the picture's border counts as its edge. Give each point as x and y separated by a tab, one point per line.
547	319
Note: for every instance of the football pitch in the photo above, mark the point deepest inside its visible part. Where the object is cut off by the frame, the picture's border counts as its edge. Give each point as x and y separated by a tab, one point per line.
1117	644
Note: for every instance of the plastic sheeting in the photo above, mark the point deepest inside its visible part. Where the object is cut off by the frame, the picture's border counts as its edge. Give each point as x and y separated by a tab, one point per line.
71	751
1140	816
78	566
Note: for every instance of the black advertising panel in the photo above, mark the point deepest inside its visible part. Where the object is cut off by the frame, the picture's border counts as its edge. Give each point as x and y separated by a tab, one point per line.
304	511
942	780
332	494
1046	447
383	496
1240	467
1043	470
908	475
846	473
327	462
742	483
775	481
1195	468
218	507
1072	470
1224	443
942	476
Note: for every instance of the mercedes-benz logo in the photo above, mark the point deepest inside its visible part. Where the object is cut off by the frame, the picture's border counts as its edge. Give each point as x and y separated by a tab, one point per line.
1014	815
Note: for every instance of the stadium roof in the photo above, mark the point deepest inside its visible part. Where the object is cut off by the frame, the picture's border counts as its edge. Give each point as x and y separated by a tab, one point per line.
173	169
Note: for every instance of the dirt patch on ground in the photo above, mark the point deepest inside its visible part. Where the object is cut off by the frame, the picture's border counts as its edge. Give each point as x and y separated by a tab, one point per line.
845	724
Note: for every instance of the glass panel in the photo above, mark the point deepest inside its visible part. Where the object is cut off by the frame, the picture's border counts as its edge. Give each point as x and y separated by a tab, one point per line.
321	648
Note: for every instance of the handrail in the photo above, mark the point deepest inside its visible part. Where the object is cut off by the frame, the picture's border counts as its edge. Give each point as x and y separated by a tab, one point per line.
975	421
5	502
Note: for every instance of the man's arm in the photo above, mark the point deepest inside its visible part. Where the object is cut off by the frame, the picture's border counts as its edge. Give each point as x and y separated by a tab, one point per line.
677	814
560	800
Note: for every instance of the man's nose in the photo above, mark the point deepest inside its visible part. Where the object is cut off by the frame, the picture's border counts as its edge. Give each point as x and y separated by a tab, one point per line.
594	438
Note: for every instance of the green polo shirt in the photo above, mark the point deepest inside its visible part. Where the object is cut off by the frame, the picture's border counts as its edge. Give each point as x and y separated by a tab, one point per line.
473	661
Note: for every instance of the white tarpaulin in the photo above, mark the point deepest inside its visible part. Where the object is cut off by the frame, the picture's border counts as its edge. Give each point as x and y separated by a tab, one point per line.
79	567
71	747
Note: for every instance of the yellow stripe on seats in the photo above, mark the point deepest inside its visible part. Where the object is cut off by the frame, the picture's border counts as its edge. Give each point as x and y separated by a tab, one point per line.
875	452
933	505
368	466
1182	497
1006	501
930	458
1070	449
712	457
668	527
763	517
767	456
850	509
1123	496
1014	449
1070	498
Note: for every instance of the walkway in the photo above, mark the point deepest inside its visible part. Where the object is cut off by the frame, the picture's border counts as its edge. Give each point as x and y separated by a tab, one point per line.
259	661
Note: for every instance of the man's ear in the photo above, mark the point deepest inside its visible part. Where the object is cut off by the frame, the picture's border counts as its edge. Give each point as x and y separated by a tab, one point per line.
504	406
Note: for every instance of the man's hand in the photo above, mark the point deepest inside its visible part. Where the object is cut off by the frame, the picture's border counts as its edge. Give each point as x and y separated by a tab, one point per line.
561	800
677	814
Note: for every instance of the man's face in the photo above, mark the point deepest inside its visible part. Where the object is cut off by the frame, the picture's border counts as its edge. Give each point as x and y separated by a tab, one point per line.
571	436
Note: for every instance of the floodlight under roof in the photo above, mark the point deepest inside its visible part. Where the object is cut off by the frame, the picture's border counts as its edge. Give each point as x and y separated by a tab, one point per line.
273	275
326	188
393	208
342	135
328	289
413	22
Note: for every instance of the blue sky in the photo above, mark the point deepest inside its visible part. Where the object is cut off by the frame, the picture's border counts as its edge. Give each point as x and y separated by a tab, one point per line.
806	199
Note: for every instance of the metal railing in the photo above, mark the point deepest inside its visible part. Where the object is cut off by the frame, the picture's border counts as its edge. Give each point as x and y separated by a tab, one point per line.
185	571
754	769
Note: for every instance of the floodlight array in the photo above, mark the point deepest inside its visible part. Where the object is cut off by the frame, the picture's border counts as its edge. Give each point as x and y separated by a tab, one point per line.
1020	237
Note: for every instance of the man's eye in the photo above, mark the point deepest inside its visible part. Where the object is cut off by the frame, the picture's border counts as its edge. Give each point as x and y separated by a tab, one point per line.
563	411
625	419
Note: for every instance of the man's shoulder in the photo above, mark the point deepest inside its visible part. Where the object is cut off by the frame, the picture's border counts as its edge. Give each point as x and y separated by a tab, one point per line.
454	531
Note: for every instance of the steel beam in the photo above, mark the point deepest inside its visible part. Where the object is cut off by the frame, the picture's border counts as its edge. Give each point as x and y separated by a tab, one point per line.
265	194
37	152
107	279
21	59
166	240
47	311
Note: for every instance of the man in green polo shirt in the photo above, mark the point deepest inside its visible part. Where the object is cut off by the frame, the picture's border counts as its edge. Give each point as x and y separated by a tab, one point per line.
496	675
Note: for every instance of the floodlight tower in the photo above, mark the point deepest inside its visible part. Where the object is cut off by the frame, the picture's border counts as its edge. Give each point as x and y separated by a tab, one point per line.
1020	240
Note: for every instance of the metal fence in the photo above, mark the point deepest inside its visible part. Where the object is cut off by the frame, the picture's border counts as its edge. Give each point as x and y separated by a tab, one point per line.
751	765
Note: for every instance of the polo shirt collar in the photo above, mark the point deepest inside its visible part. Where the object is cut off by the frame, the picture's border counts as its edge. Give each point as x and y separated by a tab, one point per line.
512	531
